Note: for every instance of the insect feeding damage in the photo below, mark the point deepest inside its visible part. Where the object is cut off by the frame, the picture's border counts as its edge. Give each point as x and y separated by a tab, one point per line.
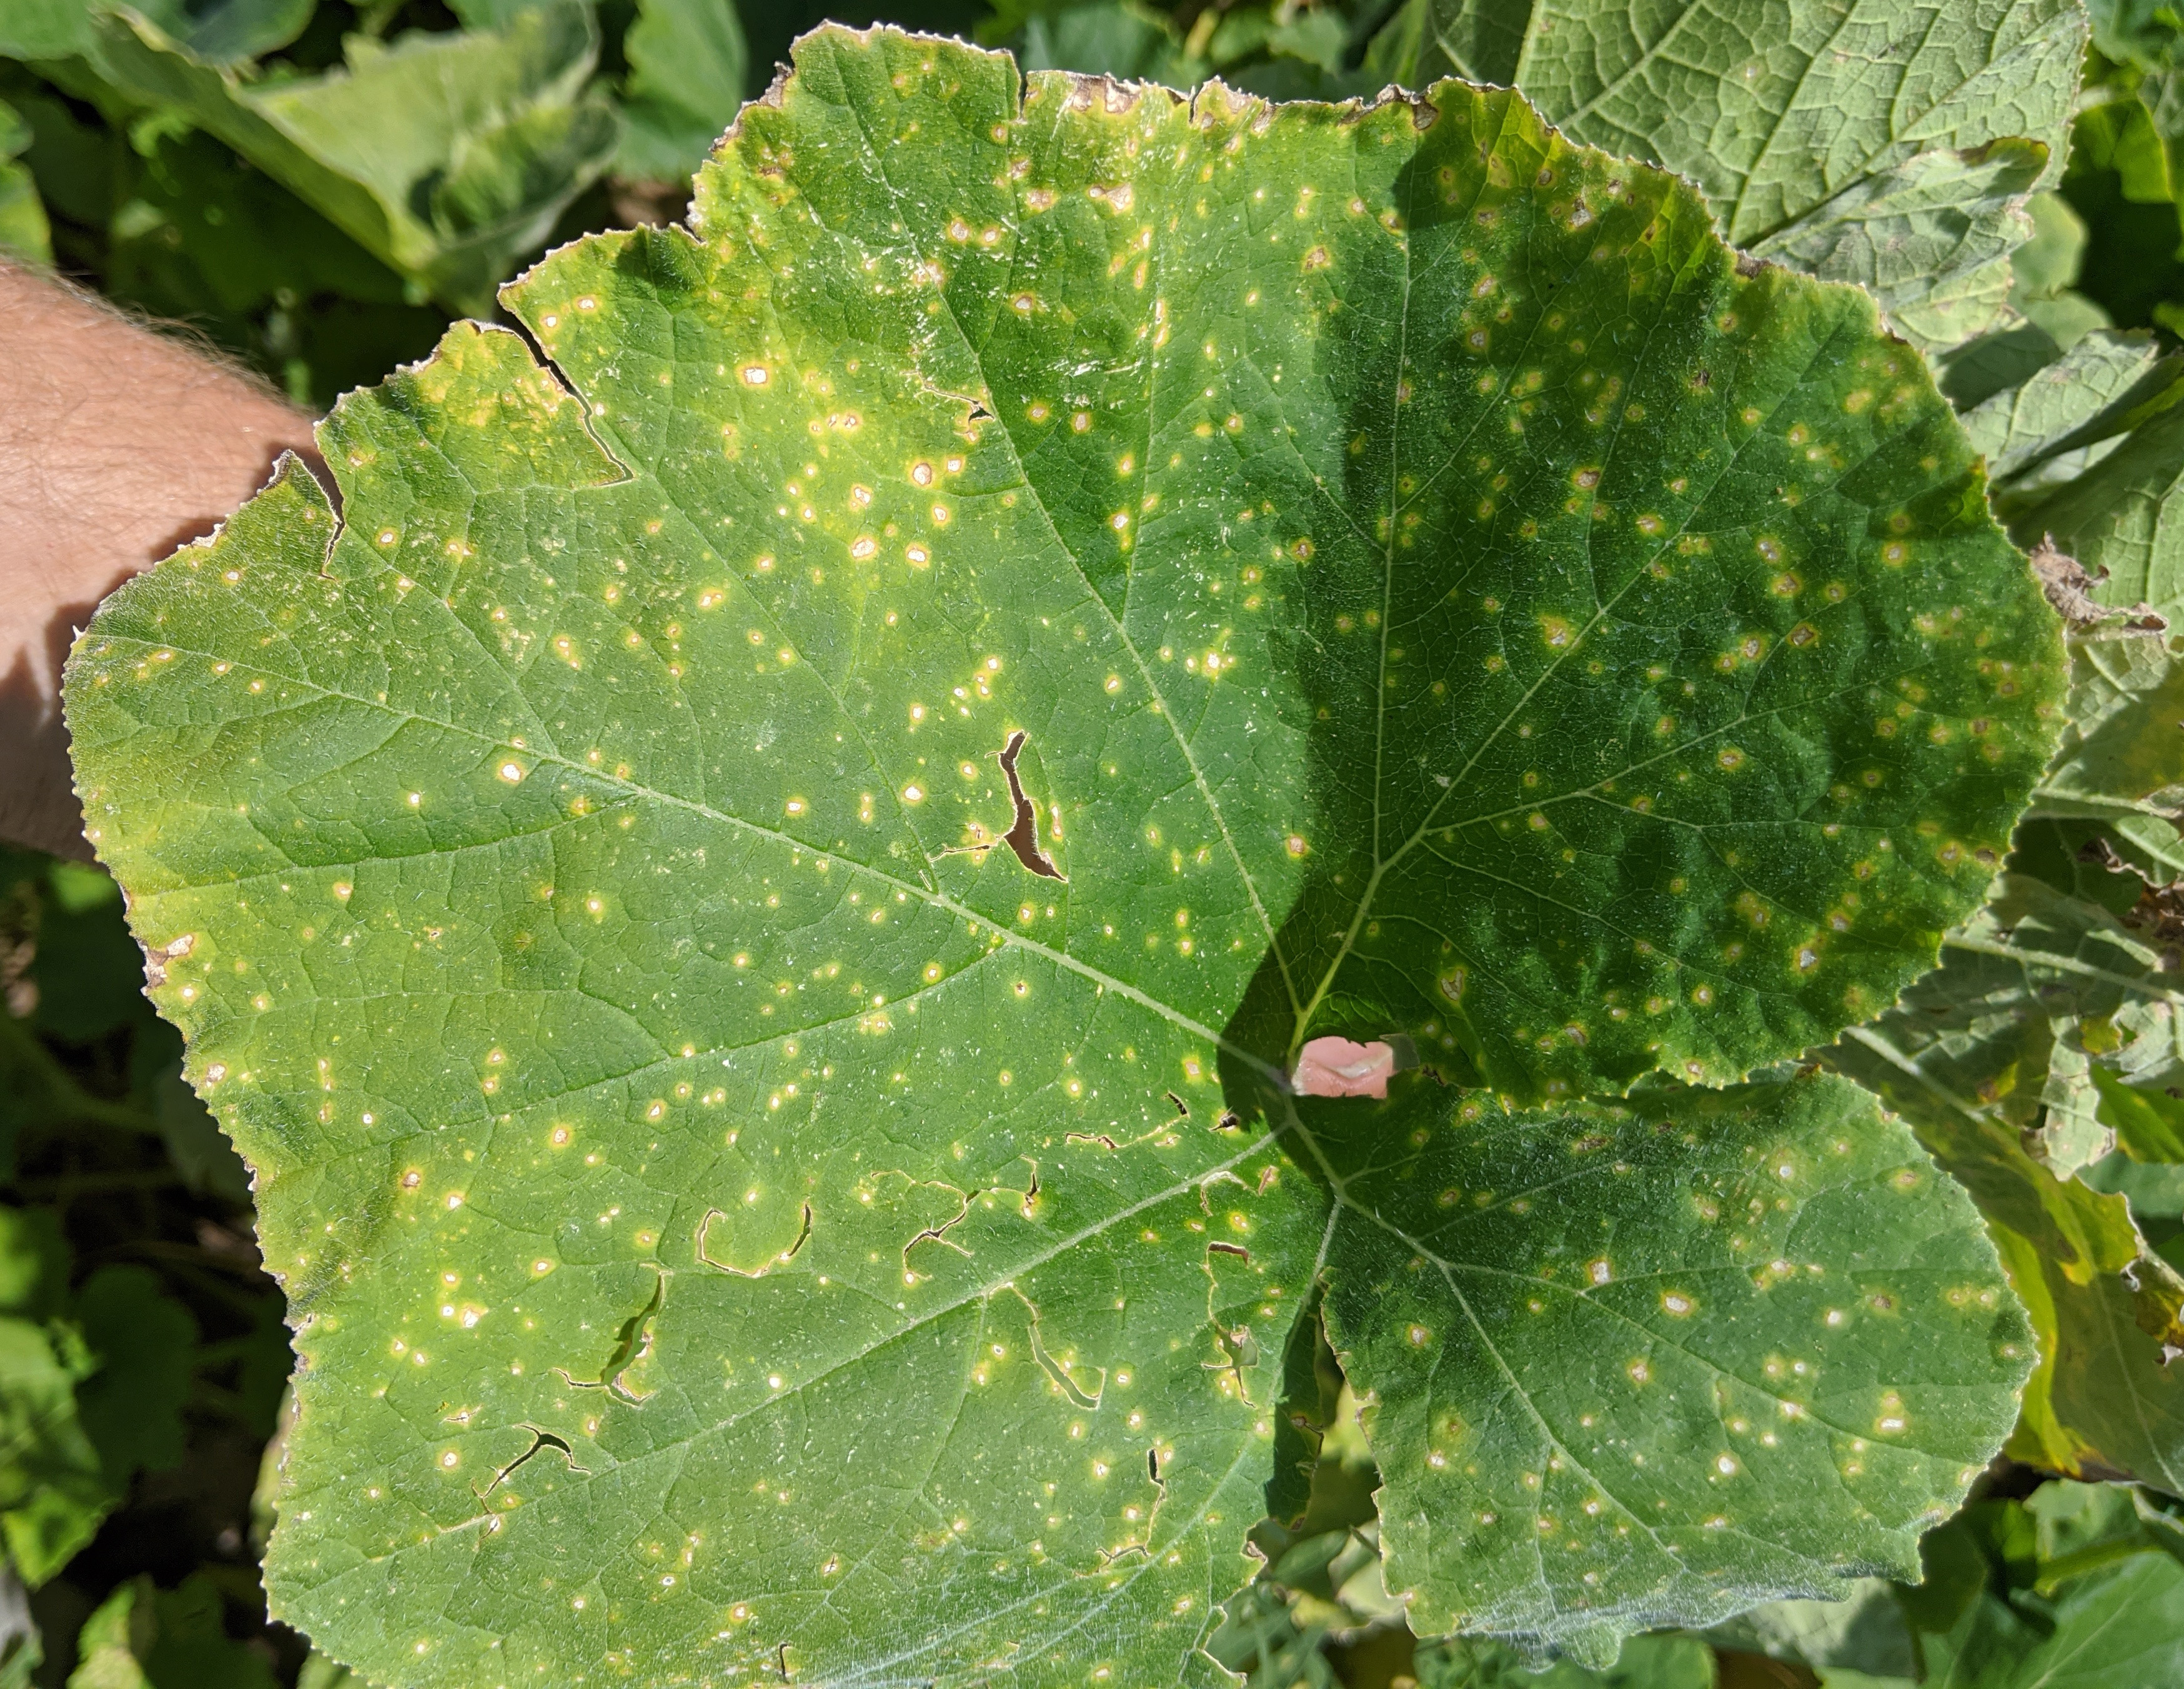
1022	836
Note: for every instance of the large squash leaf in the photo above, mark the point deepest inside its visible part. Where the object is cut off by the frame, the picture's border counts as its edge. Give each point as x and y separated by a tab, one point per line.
749	899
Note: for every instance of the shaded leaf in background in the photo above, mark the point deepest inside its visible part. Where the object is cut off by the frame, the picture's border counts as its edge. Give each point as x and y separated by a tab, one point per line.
2102	1401
687	67
145	1637
447	156
53	1491
1989	1617
202	236
2034	991
2045	273
2121	761
1111	36
1931	239
1863	1632
225	33
25	234
2024	428
145	1342
2121	183
1773	115
91	1391
1645	1663
747	764
2116	520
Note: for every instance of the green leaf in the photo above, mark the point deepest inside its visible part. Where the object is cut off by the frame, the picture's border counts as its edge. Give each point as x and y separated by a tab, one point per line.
1930	239
2103	1399
1700	1350
1773	119
23	231
823	808
687	62
2122	760
146	1343
447	156
2022	428
144	1638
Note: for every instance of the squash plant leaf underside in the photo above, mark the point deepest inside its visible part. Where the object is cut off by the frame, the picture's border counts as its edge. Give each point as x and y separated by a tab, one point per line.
748	899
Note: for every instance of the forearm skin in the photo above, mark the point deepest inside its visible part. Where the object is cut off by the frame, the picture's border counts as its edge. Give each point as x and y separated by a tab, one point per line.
117	445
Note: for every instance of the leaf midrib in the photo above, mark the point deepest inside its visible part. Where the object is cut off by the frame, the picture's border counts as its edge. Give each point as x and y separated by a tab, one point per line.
976	353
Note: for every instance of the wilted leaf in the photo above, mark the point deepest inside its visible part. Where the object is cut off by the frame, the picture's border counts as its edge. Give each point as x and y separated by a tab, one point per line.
1699	1350
774	988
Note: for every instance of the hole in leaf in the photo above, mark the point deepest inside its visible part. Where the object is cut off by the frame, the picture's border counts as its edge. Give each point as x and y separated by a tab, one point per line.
539	1439
1022	836
632	1344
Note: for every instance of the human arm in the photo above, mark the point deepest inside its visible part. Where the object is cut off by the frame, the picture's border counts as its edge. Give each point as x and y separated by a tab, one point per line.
117	444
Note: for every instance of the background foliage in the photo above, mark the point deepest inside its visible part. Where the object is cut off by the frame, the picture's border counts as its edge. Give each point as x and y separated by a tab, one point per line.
318	188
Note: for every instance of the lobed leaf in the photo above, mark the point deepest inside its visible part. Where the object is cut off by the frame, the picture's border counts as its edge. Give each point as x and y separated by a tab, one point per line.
749	899
1651	1364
